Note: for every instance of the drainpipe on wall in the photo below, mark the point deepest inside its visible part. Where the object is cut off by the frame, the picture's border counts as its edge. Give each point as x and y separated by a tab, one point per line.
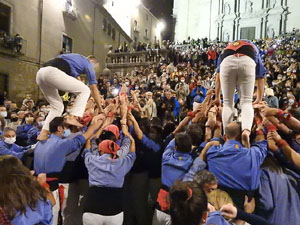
94	24
41	9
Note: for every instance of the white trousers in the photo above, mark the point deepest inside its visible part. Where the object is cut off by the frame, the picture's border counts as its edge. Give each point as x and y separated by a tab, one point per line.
161	218
50	81
55	208
238	72
96	219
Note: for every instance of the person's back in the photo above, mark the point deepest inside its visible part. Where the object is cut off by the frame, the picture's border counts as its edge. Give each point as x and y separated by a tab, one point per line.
236	167
177	160
279	193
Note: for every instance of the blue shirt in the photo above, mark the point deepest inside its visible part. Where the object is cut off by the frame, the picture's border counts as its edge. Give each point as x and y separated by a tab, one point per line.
175	164
260	68
50	156
279	201
22	132
198	98
13	149
198	165
237	167
150	144
105	171
42	214
32	135
217	219
80	65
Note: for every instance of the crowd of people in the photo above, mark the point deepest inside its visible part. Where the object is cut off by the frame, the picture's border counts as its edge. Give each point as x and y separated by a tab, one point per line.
152	148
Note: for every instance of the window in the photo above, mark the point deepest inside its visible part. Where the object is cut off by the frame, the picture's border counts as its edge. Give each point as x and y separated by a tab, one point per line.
113	34
3	83
147	17
146	33
109	29
135	24
104	25
67	44
5	12
69	6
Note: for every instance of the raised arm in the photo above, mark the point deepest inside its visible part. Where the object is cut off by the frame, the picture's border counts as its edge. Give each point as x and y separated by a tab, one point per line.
290	153
137	130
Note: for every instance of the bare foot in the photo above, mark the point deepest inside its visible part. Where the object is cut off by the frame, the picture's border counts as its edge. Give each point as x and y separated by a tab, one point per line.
246	138
43	135
72	120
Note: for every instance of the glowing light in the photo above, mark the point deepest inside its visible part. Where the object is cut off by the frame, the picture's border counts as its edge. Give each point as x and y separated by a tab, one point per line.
115	92
161	26
87	17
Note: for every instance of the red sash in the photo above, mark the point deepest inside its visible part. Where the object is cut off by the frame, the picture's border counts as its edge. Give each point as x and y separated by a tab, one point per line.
162	200
237	45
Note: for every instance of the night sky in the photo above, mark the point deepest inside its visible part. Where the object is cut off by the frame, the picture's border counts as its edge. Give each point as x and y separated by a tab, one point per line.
162	9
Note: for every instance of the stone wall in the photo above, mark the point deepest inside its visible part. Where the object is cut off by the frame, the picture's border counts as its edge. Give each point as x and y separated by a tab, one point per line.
85	28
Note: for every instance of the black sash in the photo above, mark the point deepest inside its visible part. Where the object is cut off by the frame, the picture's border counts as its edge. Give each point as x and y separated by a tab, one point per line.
246	50
105	201
60	64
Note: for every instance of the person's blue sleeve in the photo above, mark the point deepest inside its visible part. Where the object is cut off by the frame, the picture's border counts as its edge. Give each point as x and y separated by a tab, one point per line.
131	129
150	144
127	162
124	147
251	218
260	68
198	165
17	148
48	216
261	150
90	74
194	92
6	151
71	145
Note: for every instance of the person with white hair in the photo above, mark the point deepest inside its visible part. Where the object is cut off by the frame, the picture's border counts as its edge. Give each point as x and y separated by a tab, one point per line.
271	99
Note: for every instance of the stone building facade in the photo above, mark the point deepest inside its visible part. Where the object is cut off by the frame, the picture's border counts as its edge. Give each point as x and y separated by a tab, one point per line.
234	19
49	28
136	20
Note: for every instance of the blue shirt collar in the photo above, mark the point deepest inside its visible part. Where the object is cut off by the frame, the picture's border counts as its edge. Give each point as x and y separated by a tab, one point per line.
55	136
233	142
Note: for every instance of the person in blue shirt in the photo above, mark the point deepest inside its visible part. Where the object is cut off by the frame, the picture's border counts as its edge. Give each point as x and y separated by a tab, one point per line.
199	93
25	200
8	146
34	132
107	171
240	65
273	205
60	74
236	167
22	130
50	156
176	162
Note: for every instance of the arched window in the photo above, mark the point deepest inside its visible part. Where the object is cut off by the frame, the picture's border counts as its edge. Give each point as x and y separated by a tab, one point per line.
104	25
113	34
109	29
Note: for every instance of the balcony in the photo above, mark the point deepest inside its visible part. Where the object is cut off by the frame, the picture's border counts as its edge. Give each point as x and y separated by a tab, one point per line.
13	46
125	61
